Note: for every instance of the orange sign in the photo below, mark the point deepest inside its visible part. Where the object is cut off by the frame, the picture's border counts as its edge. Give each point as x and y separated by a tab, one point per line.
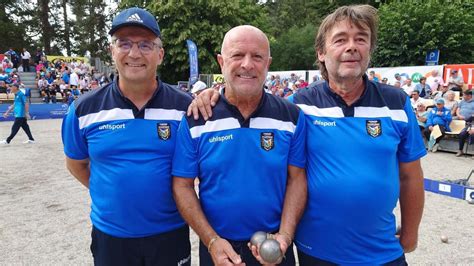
466	71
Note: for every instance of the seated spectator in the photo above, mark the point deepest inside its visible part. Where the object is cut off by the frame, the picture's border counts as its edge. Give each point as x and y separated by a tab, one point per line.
421	115
465	109
302	83
3	87
385	80
52	93
442	92
423	88
438	116
455	82
408	87
372	76
397	84
450	103
434	81
3	75
415	99
466	134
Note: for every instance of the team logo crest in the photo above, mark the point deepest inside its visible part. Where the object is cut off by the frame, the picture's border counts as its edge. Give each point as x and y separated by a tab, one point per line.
374	127
267	140
164	131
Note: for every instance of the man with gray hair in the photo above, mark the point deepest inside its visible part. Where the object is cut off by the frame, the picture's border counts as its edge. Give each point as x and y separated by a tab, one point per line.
364	150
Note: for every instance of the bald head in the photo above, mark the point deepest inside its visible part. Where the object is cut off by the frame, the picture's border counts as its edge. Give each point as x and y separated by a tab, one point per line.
242	33
244	60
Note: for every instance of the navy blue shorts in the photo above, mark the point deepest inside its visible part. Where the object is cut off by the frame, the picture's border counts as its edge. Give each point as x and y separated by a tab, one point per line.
170	248
307	260
241	248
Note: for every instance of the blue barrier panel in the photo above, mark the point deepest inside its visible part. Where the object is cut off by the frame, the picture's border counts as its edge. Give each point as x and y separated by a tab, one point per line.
445	188
38	111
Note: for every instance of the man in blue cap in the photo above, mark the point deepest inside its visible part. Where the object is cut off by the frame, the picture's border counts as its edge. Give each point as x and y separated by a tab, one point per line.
119	142
20	109
439	116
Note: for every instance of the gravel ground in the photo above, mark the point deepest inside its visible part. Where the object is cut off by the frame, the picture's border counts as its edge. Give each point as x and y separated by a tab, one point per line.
45	212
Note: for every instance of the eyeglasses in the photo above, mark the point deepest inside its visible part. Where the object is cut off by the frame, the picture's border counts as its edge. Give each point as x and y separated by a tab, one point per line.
145	47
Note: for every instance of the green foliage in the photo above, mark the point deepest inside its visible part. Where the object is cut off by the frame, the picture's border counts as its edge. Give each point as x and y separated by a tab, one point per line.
409	29
294	49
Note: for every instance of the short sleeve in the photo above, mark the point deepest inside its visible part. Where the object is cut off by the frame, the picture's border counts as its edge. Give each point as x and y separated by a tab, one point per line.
411	146
297	156
74	141
185	159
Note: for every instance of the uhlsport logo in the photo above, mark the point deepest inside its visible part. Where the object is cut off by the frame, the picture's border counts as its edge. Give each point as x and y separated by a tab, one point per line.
112	127
267	140
324	123
221	138
164	131
373	127
135	17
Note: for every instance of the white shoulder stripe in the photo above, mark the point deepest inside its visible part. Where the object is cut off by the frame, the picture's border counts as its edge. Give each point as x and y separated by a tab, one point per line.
270	123
213	126
105	115
163	114
321	112
374	112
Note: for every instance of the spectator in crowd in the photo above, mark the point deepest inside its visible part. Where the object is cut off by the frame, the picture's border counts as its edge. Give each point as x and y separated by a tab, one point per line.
397	84
409	86
455	82
423	88
74	79
399	78
14	58
3	87
385	80
3	75
465	110
434	80
198	87
25	60
441	93
303	83
135	220
66	75
421	115
38	55
21	111
372	76
450	103
415	99
438	116
467	134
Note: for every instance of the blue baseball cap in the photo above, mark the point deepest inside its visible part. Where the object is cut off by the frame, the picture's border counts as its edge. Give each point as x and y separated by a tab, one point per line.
135	17
440	101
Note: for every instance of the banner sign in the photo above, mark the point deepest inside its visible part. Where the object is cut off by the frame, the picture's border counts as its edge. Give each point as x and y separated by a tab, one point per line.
38	111
412	72
193	62
466	71
67	59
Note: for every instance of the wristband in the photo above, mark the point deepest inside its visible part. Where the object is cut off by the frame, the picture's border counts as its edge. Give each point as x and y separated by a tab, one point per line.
211	242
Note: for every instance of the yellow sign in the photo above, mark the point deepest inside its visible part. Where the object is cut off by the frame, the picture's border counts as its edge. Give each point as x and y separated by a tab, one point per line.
218	78
68	59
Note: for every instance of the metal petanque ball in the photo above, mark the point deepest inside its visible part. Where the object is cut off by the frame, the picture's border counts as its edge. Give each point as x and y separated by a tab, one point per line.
444	239
270	251
258	238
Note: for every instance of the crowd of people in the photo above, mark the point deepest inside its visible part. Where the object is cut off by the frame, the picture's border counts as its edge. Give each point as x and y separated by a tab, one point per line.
58	80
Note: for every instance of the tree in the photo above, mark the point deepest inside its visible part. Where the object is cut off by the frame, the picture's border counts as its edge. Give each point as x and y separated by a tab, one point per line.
12	32
204	22
294	49
409	29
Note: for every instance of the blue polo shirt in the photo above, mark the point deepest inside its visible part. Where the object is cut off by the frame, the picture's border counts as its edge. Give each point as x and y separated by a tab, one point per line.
353	172
130	151
242	164
19	104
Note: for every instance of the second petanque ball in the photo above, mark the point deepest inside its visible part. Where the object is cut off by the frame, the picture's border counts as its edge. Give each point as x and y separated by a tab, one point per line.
258	238
270	251
444	239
